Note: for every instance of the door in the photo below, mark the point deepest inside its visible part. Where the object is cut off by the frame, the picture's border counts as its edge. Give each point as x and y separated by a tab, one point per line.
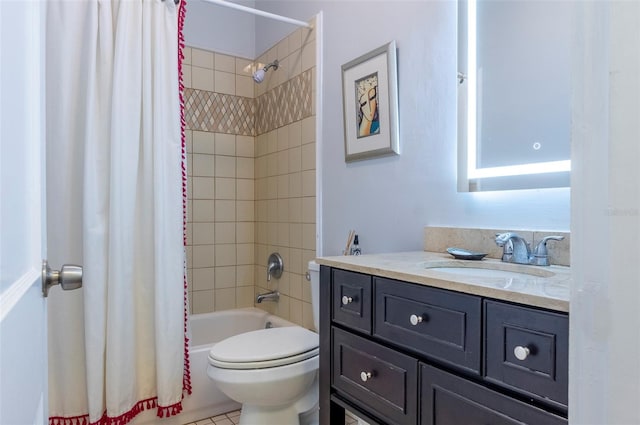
23	336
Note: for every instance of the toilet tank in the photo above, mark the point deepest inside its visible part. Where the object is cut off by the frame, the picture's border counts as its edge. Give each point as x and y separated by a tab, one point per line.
314	274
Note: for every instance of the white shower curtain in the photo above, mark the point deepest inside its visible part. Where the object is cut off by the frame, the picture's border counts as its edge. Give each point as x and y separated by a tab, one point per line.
115	196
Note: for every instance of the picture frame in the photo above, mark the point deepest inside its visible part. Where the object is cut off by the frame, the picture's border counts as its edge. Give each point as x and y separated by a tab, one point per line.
370	104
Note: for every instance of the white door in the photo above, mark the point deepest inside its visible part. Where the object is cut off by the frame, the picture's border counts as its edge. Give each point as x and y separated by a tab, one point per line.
23	310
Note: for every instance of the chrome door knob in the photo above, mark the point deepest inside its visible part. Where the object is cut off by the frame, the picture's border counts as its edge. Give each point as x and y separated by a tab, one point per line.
521	352
365	376
414	319
346	300
69	277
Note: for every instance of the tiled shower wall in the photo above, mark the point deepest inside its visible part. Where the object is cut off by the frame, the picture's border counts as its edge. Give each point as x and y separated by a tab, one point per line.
251	168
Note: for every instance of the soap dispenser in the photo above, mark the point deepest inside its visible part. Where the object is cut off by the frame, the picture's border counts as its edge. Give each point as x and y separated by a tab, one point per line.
355	249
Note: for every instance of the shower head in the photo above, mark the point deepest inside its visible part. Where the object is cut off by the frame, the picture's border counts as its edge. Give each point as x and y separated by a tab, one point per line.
258	76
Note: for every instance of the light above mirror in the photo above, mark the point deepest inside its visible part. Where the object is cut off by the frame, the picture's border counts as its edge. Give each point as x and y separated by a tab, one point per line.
514	103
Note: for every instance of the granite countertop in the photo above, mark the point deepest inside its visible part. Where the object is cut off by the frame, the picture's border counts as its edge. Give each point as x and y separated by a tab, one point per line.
547	287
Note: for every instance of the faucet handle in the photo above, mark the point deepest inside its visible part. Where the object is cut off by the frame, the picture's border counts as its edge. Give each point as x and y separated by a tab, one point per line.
540	254
541	248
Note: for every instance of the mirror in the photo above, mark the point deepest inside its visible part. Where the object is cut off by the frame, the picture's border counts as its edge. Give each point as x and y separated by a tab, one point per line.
514	94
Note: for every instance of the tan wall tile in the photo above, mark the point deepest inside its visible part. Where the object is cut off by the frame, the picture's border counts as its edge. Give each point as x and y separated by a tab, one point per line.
225	299
225	255
202	188
203	165
244	86
203	279
186	51
309	183
245	146
245	232
186	76
225	63
225	210
225	233
202	58
202	78
245	189
225	166
225	277
244	67
204	233
203	210
225	82
225	144
245	211
225	188
203	142
245	168
202	302
203	256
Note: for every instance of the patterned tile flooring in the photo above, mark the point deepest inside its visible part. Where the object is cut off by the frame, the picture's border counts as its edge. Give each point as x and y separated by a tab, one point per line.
233	418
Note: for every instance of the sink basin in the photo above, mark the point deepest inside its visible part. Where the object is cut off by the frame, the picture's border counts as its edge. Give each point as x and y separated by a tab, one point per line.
489	269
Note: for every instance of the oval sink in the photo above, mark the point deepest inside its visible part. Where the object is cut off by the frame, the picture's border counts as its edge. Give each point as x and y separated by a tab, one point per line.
489	269
485	273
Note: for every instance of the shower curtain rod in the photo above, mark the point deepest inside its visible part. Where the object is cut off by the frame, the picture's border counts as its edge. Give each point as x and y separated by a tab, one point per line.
259	12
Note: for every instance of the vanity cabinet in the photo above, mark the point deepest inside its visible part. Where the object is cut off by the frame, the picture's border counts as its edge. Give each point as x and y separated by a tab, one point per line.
396	352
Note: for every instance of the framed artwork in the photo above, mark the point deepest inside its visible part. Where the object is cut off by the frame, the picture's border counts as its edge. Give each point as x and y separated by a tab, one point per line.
370	104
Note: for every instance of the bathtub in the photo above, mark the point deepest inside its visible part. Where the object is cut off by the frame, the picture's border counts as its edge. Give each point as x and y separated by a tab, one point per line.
207	329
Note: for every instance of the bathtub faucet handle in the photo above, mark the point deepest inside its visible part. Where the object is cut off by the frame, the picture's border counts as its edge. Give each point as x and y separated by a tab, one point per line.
275	266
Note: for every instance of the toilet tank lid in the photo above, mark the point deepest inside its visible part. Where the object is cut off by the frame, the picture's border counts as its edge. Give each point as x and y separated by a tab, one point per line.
313	266
265	344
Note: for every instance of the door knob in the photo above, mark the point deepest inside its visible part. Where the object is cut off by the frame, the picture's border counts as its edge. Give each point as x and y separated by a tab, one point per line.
69	277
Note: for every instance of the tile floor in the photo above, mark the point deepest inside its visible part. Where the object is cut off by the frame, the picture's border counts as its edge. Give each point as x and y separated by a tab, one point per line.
232	418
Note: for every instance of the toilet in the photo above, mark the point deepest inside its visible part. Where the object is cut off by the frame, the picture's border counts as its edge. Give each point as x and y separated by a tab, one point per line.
272	372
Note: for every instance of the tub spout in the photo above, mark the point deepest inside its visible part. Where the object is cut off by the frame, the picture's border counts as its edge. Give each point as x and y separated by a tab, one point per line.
271	296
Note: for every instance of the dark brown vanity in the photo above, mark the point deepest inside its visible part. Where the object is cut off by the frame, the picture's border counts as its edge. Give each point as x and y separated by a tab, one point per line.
400	352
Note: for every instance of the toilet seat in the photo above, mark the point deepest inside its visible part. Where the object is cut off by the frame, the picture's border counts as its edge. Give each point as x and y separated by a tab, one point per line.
265	348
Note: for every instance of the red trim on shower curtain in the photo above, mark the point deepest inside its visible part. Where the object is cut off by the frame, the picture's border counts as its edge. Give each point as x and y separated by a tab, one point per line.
186	379
150	403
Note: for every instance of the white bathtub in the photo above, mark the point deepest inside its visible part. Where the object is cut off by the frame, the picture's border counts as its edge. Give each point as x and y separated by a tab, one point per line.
207	329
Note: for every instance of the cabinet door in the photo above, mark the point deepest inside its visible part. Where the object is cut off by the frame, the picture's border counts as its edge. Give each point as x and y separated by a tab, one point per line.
527	350
446	399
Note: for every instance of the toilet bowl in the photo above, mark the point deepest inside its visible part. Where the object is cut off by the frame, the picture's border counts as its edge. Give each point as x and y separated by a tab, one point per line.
272	372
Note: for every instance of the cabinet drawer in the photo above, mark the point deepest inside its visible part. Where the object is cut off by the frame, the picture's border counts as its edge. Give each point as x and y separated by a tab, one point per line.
527	350
351	299
442	325
447	400
390	389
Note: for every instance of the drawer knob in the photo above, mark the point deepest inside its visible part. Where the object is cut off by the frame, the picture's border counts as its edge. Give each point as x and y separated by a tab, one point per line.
365	376
415	319
521	352
346	300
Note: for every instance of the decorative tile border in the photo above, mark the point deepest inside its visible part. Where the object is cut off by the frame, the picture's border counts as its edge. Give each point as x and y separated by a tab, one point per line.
287	103
219	113
222	113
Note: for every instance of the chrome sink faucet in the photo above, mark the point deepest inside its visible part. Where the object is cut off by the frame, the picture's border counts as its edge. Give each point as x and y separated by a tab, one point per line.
517	250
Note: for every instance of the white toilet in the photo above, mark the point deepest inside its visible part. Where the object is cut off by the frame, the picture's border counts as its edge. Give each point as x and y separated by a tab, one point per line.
272	372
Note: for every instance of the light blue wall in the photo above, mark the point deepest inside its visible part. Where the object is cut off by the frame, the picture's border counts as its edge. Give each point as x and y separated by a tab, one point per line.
390	200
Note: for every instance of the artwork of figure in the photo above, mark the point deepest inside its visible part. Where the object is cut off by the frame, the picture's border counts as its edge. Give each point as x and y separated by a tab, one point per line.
367	106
